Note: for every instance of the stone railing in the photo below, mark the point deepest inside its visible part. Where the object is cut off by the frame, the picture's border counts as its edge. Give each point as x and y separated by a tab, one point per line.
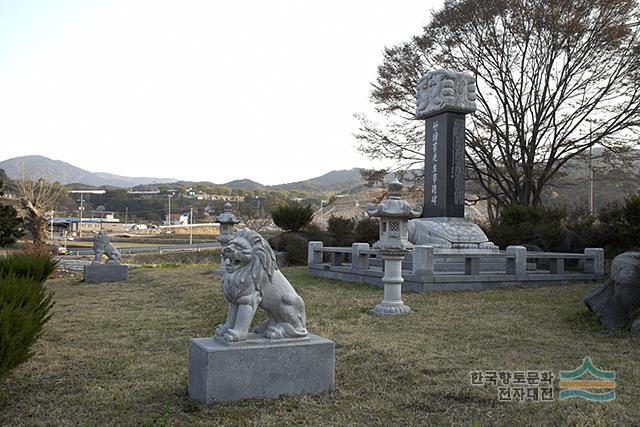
429	268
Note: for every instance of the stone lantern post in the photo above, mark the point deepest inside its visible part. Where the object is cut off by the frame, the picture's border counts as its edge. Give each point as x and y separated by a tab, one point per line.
394	244
227	222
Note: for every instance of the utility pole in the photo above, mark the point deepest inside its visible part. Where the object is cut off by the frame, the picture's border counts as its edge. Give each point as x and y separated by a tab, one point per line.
169	216
81	209
51	219
191	227
590	171
126	216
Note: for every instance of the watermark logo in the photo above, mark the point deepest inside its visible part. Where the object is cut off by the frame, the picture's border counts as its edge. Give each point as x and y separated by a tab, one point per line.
520	386
599	386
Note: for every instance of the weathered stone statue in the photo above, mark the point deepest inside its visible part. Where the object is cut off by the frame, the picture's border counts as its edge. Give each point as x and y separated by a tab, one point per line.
111	270
251	279
443	98
102	246
618	300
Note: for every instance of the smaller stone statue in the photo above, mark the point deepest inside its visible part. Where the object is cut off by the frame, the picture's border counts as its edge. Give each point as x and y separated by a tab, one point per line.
102	246
251	279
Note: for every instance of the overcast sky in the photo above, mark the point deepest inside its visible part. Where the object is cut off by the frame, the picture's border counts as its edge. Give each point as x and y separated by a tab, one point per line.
195	90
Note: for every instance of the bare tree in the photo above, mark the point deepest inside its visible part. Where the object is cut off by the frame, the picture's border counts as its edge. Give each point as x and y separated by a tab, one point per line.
554	78
37	198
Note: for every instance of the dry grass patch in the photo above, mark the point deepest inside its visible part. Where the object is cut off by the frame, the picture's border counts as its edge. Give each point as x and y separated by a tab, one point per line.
117	354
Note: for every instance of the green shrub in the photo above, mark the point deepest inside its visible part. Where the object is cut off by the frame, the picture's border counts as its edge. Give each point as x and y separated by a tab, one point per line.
315	233
341	230
294	244
532	225
297	248
631	211
34	266
617	228
10	225
24	307
367	230
292	217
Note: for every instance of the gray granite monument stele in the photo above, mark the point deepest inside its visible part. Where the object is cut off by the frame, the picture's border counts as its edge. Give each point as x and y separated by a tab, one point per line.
110	271
444	97
280	356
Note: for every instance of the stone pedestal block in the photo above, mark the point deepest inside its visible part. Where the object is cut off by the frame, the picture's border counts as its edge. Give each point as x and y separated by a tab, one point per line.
259	368
106	272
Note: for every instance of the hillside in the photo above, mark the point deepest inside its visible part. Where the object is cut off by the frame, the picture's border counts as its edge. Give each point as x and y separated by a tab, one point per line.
66	173
339	180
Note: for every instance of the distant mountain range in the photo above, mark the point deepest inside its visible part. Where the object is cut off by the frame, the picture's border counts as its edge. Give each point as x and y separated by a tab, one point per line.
66	173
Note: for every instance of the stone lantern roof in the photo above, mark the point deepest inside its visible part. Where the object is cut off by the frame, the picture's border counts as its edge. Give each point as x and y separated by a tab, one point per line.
393	206
227	217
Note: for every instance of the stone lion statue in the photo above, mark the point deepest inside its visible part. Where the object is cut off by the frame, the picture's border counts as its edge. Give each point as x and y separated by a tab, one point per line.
102	246
251	279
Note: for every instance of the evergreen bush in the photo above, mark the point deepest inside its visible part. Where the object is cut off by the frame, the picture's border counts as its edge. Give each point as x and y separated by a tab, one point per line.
292	217
367	230
24	307
341	230
527	225
10	223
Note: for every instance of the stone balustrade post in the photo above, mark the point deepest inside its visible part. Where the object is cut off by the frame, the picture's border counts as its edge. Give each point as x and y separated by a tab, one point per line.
422	261
472	266
359	261
518	264
314	256
595	263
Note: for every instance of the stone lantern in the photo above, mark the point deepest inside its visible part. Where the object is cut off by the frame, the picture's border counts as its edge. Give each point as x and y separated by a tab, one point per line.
394	214
227	222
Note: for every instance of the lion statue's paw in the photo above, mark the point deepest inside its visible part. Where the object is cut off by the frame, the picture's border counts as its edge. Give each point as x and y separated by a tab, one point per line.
261	327
274	333
221	329
231	335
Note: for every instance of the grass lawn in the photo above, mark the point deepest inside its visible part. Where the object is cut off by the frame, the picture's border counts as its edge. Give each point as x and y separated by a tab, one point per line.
117	354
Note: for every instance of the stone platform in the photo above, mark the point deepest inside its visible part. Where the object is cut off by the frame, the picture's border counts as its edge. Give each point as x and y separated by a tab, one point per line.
259	368
106	272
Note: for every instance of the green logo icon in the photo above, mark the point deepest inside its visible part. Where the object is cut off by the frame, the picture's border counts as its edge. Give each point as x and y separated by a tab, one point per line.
600	387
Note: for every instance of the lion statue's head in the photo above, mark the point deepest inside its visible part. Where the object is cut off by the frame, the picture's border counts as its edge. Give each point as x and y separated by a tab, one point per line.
100	241
245	261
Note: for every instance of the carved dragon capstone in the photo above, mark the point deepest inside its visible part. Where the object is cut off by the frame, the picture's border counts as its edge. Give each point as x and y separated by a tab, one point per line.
251	279
445	90
102	246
